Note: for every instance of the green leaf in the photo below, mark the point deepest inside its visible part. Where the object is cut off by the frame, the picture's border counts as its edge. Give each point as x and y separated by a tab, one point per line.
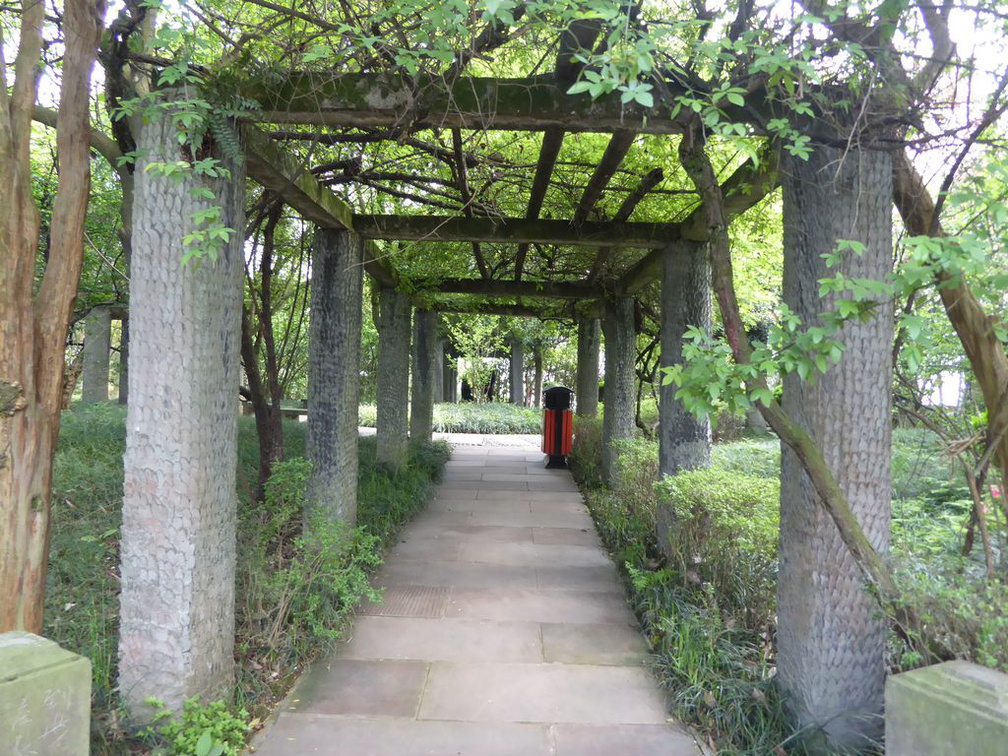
204	744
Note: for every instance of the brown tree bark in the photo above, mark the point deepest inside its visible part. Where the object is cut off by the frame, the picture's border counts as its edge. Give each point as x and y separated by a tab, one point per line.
266	390
972	325
34	326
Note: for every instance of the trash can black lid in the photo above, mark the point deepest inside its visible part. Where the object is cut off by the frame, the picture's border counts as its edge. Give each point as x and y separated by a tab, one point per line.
557	398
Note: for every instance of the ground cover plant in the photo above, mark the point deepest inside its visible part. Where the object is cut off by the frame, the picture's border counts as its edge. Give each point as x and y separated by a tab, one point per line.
471	417
707	600
294	598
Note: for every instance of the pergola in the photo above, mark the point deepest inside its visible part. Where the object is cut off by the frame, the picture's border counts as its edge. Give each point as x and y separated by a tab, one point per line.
178	582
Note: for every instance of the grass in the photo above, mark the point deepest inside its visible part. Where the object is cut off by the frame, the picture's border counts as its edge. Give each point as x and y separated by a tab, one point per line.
82	596
469	417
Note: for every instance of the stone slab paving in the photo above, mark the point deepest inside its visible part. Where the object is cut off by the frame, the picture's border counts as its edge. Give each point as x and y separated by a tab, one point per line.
504	631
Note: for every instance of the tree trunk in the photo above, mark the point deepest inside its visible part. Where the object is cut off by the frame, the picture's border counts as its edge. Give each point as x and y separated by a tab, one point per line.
97	343
123	396
684	442
334	342
620	350
987	355
391	423
269	430
34	327
589	341
266	391
425	366
517	395
831	636
179	501
126	183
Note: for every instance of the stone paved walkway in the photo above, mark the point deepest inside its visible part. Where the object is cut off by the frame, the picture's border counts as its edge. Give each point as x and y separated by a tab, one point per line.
504	632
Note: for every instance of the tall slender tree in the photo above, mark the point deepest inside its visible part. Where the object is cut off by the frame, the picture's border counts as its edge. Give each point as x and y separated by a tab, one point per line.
33	321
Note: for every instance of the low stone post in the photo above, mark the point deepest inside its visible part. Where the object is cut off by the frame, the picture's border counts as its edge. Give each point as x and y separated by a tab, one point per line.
951	708
45	697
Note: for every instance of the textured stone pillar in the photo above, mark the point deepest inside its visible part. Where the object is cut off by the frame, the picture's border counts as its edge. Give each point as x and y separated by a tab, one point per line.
831	638
393	377
425	370
684	443
97	340
586	391
334	344
517	373
438	388
176	633
450	380
620	351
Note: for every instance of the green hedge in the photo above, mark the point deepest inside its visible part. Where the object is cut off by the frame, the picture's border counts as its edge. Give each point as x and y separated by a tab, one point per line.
722	532
469	417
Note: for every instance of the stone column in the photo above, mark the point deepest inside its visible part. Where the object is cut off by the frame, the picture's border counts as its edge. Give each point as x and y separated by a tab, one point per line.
620	351
334	344
684	443
425	371
831	637
450	380
438	387
517	374
97	340
176	632
586	391
393	377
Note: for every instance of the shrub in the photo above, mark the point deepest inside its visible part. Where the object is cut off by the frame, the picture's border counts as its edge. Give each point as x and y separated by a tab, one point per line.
202	730
758	457
586	453
297	591
722	534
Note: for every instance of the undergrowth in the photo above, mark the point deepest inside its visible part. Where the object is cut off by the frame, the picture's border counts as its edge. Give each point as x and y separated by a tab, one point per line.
295	595
470	417
707	600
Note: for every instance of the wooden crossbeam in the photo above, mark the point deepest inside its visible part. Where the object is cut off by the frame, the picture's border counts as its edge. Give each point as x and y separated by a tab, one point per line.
269	165
445	228
551	144
575	290
388	101
488	306
507	310
613	156
742	190
649	182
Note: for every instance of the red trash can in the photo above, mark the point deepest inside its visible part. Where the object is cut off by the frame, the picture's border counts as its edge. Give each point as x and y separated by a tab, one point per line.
558	425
